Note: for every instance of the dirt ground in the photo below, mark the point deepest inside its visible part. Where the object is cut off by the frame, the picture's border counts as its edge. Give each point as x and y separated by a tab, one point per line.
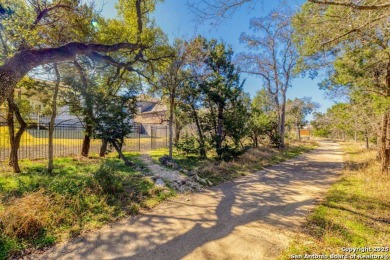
253	217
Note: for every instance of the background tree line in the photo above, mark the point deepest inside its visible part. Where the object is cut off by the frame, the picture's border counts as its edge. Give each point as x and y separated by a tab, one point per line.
98	66
347	42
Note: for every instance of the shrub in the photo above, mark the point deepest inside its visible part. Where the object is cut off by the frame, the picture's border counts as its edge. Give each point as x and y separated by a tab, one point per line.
229	153
108	179
187	145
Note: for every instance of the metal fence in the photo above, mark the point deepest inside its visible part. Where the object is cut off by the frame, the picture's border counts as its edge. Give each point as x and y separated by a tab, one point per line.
68	139
159	137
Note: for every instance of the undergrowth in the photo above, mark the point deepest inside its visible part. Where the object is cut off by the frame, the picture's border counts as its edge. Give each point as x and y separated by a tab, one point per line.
38	209
252	159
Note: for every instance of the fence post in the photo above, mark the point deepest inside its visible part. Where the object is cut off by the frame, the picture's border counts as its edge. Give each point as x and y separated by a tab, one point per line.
139	138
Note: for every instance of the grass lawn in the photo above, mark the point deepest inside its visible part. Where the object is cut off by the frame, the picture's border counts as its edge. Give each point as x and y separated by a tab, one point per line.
355	212
38	209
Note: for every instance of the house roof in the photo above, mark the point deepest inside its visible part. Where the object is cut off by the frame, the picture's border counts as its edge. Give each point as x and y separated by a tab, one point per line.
146	98
149	105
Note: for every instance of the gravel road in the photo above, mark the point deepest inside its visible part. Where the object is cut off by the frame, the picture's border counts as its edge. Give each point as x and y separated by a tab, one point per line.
253	217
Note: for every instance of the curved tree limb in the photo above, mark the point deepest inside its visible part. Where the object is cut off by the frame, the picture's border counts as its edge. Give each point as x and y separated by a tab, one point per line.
15	68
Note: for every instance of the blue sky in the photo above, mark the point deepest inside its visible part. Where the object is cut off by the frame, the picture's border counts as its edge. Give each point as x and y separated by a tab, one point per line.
176	20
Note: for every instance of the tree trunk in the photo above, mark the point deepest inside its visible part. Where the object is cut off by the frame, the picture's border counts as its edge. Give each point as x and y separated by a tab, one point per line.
355	136
171	111
87	140
202	145
103	148
88	110
14	138
384	148
298	130
177	133
121	155
120	145
50	166
282	128
212	114
255	139
366	139
219	139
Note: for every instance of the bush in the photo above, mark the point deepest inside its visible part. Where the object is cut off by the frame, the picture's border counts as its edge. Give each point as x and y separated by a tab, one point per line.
188	145
108	179
229	153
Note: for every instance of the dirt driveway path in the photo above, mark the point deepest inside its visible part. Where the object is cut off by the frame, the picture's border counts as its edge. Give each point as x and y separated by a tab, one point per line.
250	218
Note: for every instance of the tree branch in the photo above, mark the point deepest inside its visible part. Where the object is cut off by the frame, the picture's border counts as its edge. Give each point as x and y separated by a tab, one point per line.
44	12
351	5
16	67
354	30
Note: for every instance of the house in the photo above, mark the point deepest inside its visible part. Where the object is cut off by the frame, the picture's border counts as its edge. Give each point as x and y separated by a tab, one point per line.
151	112
38	115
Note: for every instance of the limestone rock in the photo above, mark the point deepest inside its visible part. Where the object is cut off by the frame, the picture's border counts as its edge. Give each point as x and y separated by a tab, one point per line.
160	183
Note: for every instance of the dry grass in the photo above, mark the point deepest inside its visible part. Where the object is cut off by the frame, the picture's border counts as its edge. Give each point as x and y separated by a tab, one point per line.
355	212
362	165
30	215
252	160
255	154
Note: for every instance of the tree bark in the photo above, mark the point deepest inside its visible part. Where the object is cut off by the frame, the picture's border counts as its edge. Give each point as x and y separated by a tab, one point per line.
219	138
202	146
87	110
366	139
298	130
255	139
121	155
282	127
177	132
50	166
384	149
103	148
14	138
87	141
171	112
